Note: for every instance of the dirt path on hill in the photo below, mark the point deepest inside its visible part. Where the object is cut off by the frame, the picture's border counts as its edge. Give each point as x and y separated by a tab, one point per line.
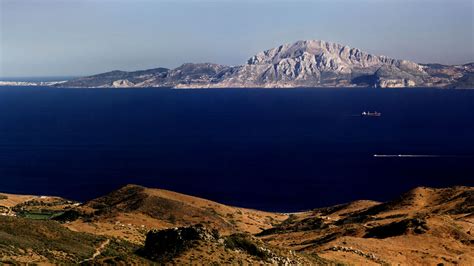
98	251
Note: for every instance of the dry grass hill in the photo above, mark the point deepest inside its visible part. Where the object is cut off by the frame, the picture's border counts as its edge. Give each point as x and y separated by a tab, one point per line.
135	224
423	226
133	210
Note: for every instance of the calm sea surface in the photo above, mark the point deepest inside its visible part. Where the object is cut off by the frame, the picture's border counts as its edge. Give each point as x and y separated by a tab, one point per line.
281	150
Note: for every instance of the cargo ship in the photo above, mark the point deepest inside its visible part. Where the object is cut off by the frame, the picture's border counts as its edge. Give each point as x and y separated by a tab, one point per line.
371	114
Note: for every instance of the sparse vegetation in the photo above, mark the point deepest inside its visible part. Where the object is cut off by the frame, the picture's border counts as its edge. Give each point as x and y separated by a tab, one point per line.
172	219
43	237
244	242
4	209
436	220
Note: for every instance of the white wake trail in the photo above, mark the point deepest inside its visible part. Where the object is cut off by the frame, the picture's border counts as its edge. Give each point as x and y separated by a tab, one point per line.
413	155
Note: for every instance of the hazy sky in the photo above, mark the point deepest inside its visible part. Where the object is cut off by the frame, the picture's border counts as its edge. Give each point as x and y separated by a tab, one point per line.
79	37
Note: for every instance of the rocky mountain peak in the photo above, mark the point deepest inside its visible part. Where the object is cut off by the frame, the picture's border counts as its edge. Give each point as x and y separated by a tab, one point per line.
295	50
328	55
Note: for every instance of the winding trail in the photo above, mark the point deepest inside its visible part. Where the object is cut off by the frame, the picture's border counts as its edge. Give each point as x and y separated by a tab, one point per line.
98	251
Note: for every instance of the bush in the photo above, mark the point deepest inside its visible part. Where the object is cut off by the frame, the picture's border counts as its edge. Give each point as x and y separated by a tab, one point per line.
68	216
244	242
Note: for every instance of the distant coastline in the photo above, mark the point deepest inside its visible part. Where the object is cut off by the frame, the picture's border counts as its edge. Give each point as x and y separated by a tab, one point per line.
37	79
303	64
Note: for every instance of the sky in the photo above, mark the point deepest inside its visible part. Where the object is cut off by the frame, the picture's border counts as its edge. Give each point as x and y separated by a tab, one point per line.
82	37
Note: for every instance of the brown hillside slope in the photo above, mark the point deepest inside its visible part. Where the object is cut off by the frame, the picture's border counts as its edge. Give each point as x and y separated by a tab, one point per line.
47	242
132	210
423	226
10	200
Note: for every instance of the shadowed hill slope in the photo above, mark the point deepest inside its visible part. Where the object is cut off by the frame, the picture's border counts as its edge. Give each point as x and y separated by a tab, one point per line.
143	208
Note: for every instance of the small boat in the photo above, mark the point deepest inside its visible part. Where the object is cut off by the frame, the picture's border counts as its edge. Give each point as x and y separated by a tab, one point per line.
371	114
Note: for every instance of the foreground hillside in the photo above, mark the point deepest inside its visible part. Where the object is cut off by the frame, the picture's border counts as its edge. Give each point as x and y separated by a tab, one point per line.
133	210
424	226
140	225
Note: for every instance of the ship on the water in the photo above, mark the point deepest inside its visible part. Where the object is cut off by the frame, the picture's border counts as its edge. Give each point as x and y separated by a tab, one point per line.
371	114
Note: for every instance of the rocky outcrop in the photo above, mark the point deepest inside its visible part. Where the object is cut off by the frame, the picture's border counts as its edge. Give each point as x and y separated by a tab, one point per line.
168	243
369	256
394	77
403	227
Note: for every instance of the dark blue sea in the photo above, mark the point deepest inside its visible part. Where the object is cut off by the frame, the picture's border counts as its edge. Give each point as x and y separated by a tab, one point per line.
280	150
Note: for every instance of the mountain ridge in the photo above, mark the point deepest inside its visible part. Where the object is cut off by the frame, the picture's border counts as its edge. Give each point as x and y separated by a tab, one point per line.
305	63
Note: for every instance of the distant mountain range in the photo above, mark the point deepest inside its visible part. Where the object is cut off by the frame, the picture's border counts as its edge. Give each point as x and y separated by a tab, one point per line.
301	64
